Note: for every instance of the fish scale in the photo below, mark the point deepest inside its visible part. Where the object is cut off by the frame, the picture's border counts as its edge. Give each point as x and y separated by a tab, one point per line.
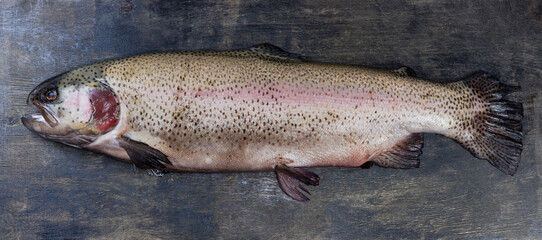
266	109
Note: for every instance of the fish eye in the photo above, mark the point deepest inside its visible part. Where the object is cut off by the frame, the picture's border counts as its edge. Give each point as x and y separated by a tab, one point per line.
50	95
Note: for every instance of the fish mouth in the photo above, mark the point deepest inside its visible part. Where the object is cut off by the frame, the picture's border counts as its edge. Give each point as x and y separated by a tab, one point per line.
46	118
35	122
42	124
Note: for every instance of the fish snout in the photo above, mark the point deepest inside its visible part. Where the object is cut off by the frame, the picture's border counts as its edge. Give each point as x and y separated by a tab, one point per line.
36	123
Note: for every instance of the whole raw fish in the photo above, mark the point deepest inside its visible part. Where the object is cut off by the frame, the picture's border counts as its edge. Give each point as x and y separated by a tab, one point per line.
262	109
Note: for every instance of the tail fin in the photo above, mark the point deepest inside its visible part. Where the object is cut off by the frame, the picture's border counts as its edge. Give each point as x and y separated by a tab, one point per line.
496	133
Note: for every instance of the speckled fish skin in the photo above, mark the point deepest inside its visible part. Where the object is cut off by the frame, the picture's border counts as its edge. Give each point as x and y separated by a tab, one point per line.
213	112
251	110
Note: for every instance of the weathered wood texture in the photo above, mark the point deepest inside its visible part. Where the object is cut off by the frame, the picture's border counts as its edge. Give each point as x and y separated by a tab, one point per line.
48	190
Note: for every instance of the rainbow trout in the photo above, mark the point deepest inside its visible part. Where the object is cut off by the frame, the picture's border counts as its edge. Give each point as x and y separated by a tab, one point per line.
264	109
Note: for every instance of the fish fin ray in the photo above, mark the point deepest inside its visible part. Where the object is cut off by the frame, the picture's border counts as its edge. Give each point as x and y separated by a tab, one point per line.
290	179
405	154
143	155
495	134
267	50
367	165
405	72
156	172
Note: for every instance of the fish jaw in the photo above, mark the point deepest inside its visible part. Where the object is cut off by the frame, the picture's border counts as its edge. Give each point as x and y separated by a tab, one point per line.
36	123
39	125
47	125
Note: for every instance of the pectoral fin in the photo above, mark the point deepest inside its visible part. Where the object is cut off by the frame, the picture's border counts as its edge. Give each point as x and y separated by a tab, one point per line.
290	179
143	155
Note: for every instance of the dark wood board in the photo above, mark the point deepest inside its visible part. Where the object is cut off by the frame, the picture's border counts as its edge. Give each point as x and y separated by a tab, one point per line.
52	191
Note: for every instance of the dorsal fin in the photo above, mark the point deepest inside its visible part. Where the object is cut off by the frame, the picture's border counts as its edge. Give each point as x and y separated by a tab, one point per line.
267	50
405	154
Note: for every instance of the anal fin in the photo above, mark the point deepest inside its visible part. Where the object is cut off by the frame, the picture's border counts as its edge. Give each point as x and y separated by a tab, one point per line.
143	155
367	165
290	179
405	154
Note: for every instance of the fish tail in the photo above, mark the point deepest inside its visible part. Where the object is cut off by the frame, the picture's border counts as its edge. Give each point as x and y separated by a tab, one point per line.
494	133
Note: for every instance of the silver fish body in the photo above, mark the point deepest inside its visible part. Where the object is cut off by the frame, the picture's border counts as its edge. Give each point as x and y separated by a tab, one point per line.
265	109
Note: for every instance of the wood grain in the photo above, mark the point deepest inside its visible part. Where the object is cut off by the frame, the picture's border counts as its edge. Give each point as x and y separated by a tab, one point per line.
52	191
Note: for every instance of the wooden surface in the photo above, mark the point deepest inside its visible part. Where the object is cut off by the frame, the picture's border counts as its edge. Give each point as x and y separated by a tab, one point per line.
52	191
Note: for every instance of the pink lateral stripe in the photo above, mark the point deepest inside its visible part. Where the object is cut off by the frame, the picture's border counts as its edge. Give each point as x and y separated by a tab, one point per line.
287	94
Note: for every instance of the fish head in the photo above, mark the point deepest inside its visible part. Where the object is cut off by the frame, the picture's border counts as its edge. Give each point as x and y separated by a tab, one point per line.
74	108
